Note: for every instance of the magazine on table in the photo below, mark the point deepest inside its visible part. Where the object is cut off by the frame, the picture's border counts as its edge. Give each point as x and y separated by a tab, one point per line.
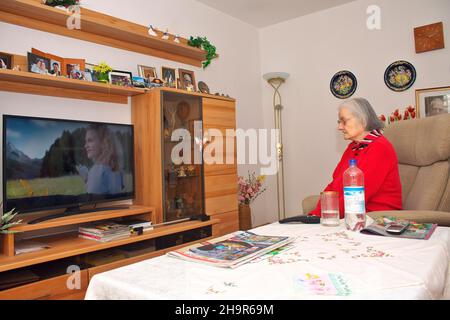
413	230
231	250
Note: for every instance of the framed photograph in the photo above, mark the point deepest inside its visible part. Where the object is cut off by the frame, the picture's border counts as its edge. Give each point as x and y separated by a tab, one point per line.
432	101
187	80
75	68
57	64
89	73
169	77
38	64
121	78
148	73
5	60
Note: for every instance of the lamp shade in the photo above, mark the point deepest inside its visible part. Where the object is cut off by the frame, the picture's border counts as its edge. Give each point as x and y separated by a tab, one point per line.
274	75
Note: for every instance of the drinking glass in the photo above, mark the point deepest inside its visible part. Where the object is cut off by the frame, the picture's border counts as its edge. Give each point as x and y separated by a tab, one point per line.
329	202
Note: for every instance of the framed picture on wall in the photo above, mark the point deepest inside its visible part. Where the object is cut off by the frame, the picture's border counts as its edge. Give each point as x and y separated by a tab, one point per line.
432	101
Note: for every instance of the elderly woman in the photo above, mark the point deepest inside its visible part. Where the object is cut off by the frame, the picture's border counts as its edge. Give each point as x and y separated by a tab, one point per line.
375	157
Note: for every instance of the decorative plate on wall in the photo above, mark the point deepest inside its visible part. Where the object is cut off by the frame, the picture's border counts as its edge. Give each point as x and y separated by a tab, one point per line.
343	84
400	75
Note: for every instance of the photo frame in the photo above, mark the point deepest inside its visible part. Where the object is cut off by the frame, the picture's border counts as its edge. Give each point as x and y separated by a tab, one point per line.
57	64
121	78
89	73
38	64
5	60
146	72
169	77
187	80
75	68
432	101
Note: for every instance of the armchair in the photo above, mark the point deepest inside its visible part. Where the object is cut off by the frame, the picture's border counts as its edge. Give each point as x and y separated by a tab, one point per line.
423	151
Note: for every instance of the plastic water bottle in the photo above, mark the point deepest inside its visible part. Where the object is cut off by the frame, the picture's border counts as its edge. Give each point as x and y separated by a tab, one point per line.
355	208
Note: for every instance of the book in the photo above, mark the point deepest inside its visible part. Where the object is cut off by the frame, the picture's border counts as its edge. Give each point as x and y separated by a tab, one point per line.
232	250
414	230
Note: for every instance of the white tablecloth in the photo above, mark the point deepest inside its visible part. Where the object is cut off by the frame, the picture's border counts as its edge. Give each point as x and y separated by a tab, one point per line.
374	267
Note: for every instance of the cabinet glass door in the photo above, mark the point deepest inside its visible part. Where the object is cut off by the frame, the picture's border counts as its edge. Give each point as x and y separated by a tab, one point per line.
182	156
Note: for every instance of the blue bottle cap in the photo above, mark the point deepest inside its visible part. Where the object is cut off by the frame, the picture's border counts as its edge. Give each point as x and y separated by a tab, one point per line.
352	162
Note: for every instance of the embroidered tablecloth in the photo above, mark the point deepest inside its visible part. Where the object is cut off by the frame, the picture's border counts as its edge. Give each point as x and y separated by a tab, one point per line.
367	267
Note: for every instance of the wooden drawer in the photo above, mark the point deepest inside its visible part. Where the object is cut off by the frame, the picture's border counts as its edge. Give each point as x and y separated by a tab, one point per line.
221	194
54	288
229	222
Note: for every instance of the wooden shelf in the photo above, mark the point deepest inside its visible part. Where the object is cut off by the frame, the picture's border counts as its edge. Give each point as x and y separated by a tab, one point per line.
99	28
47	85
68	245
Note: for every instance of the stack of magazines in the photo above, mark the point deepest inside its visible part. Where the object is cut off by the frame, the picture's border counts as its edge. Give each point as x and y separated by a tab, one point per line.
232	250
104	232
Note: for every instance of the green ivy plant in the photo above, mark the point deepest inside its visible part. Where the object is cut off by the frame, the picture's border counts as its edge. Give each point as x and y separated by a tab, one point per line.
203	43
65	3
7	222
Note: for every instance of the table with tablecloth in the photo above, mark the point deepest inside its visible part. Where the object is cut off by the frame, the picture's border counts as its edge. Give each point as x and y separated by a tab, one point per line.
373	267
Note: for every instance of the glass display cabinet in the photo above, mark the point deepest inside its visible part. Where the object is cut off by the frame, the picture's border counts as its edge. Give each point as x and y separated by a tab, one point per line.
183	183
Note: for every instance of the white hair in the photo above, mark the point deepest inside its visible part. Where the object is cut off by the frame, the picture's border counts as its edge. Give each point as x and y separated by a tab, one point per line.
363	111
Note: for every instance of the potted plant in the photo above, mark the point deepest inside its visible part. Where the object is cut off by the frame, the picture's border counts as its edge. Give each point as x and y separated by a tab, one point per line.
7	222
102	70
249	189
203	43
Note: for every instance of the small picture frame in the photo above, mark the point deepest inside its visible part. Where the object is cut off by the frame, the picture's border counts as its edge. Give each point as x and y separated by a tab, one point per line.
432	101
121	78
89	73
57	64
75	68
187	80
5	60
148	73
38	64
169	77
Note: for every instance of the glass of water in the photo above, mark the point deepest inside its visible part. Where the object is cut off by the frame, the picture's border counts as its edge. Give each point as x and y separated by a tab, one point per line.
329	202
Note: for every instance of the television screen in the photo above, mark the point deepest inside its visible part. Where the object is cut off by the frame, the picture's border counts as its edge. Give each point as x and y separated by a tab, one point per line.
52	163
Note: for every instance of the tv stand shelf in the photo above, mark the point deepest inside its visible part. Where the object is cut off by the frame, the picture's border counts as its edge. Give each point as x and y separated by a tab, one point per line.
47	85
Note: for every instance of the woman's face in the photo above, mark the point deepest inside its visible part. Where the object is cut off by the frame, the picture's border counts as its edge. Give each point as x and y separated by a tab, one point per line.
350	126
92	145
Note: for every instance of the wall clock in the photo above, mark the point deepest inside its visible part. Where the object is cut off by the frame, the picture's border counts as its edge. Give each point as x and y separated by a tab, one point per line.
343	84
429	37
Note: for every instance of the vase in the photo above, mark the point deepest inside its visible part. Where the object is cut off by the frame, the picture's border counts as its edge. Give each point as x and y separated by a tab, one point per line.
103	77
245	217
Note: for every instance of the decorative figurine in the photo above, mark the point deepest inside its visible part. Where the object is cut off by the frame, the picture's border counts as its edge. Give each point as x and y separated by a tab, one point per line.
152	31
181	172
165	35
177	39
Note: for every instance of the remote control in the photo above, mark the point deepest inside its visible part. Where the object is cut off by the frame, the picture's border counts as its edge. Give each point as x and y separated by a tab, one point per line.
301	219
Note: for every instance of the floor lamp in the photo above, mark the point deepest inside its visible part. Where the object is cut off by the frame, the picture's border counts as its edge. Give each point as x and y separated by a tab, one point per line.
276	79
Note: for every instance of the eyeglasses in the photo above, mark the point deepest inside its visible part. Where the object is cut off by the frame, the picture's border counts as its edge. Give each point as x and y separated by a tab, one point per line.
343	121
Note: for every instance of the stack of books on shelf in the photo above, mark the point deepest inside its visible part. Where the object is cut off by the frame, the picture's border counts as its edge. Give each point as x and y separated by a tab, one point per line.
104	232
232	250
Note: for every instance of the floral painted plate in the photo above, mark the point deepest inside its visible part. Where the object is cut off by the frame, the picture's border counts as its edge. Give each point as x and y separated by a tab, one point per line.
400	75
343	84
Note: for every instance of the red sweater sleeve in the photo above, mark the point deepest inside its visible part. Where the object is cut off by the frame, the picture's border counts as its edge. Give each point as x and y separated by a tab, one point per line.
376	162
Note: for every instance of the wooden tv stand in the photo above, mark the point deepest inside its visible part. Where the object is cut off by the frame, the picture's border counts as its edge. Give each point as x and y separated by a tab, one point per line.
68	249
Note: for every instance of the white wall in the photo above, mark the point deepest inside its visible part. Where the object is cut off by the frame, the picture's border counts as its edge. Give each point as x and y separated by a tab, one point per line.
236	72
312	49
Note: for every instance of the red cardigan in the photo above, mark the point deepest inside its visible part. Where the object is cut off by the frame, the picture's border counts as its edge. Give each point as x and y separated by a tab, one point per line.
382	187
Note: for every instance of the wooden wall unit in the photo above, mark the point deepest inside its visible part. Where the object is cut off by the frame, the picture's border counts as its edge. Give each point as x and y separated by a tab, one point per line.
220	180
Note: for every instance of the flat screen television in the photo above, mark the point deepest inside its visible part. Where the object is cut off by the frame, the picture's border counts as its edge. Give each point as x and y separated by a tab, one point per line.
55	163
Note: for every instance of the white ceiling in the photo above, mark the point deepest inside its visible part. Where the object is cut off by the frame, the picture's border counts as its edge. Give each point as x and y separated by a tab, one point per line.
262	13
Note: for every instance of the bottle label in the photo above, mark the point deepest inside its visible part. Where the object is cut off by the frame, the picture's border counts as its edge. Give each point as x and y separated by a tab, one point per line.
354	200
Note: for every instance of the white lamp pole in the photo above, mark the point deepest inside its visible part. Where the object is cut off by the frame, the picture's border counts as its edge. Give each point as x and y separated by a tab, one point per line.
276	79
